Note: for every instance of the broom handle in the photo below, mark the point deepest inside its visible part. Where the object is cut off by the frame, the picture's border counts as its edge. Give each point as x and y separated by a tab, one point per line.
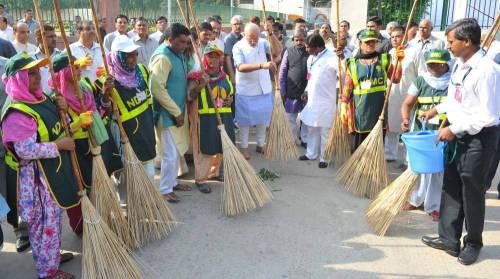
62	113
338	40
490	37
209	91
72	67
195	20
116	112
405	37
492	33
268	35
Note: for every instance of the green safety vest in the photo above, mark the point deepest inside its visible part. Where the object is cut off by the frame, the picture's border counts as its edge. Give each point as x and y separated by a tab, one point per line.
57	172
137	117
209	137
368	102
427	98
205	105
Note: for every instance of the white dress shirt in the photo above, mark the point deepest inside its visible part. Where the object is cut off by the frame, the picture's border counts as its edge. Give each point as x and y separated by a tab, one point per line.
20	47
79	50
156	36
421	47
7	34
321	96
44	71
473	101
146	50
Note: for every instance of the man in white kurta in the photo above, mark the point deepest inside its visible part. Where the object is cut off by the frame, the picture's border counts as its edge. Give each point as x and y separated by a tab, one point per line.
319	112
254	98
398	94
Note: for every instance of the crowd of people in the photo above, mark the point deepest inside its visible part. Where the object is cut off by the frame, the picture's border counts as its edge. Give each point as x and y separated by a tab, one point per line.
167	100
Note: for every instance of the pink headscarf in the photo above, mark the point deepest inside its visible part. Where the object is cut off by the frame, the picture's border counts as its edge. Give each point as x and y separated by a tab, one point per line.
16	87
18	126
63	80
120	71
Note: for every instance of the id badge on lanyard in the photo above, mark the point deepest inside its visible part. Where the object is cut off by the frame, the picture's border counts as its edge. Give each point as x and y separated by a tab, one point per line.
458	93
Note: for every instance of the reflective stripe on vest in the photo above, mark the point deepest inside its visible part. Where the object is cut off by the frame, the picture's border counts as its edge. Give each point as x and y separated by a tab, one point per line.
204	102
80	133
354	75
42	131
124	113
430	100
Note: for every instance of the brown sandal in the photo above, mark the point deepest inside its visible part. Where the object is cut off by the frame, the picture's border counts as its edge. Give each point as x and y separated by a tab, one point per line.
61	275
171	197
182	187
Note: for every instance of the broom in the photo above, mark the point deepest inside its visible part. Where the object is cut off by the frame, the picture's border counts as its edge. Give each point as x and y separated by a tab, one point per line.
280	139
102	192
103	253
338	146
365	173
243	189
382	211
149	217
386	206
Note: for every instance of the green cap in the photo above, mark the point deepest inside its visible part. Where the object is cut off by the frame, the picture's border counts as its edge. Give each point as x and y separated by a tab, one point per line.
441	56
22	61
211	47
368	35
60	61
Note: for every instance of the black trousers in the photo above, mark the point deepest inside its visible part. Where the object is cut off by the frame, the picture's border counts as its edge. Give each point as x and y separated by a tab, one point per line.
463	196
493	167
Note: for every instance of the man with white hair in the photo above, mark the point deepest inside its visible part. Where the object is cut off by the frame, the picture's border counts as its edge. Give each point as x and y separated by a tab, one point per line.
388	29
229	42
424	42
21	38
254	98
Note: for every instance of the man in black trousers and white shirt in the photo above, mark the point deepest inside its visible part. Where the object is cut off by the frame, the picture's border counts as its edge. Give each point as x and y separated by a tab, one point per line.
473	111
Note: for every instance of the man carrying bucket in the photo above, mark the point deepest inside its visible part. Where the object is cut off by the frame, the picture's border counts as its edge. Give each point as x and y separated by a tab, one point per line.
473	110
424	93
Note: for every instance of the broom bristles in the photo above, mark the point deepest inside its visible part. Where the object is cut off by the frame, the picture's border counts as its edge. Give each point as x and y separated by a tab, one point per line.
280	141
390	202
103	254
338	146
365	173
149	217
104	197
243	190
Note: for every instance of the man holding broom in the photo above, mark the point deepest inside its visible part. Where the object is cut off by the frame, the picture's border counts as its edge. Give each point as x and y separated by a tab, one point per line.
365	86
254	100
473	111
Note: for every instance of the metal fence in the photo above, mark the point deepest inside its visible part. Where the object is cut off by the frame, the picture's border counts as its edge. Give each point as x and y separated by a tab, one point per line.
484	11
439	11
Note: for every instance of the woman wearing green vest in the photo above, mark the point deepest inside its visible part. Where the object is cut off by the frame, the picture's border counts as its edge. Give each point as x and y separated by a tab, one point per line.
426	92
205	136
365	85
133	99
37	149
79	118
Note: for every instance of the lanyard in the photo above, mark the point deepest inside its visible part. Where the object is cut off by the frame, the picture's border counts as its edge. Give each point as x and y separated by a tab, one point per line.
316	60
463	79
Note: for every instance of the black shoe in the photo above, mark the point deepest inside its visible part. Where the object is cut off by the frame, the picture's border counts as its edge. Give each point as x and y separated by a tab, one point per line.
304	158
322	165
469	254
22	244
437	243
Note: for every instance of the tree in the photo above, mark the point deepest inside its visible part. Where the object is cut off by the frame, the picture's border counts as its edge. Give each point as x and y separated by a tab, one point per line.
397	10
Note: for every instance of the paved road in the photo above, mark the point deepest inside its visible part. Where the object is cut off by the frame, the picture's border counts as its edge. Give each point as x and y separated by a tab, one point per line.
313	229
